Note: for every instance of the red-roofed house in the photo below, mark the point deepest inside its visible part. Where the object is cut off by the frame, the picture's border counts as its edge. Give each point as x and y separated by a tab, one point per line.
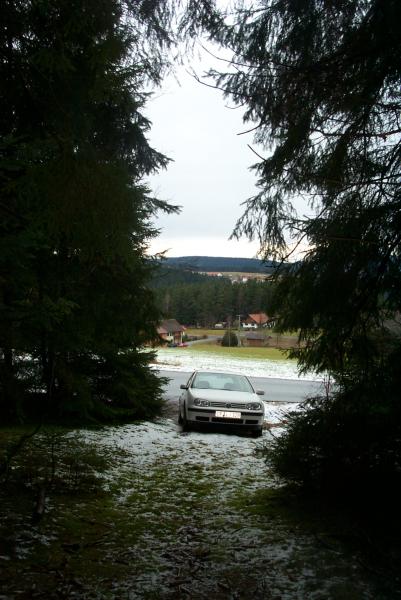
256	320
171	331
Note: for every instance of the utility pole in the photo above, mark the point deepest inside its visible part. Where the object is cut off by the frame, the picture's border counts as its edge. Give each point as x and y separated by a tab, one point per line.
239	323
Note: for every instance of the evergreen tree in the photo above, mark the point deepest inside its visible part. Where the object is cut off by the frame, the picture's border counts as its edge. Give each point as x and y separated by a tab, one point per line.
75	310
321	83
229	339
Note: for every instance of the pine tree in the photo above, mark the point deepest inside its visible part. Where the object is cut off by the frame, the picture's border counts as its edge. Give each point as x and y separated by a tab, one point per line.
320	81
75	310
229	339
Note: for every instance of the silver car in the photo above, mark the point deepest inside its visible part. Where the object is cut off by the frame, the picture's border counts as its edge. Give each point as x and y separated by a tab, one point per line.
221	399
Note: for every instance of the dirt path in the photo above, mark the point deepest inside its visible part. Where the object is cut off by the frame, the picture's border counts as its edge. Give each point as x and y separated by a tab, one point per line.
176	516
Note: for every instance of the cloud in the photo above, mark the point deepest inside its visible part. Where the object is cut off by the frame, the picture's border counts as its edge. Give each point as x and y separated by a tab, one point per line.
203	246
210	175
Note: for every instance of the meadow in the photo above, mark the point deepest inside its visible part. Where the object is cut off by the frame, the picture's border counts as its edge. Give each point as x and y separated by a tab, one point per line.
246	352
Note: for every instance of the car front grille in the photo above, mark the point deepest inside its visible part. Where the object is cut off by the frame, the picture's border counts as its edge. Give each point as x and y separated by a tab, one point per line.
233	405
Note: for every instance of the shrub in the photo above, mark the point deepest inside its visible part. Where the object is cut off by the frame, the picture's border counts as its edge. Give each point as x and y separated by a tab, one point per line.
347	444
229	339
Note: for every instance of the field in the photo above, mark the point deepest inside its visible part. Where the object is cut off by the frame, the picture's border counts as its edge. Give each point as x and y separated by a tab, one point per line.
275	341
245	352
201	332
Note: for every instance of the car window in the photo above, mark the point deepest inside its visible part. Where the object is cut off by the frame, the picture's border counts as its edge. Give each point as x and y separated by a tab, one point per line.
222	381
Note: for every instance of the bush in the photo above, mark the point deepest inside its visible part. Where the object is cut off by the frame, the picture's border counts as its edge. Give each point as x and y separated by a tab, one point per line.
347	444
229	339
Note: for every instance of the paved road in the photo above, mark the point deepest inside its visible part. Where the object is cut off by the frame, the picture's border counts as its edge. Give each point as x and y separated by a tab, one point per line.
210	338
276	390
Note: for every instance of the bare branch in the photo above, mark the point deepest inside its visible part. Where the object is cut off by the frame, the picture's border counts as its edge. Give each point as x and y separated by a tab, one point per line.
250	130
258	155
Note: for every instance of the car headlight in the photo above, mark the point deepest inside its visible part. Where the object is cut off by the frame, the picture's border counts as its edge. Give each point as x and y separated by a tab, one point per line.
199	402
254	406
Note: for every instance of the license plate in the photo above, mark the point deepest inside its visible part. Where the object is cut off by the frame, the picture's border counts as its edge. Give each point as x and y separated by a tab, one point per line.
226	414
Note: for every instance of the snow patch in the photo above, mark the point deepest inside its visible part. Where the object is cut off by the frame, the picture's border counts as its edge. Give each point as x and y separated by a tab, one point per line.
186	359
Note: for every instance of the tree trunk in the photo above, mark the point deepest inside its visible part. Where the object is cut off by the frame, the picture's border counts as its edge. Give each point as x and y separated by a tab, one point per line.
40	505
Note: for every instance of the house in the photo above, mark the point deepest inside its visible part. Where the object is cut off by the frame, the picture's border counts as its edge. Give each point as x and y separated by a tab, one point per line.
256	320
255	340
171	331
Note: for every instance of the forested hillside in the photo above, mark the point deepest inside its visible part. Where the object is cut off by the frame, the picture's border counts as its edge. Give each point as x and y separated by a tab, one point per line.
222	264
165	276
209	300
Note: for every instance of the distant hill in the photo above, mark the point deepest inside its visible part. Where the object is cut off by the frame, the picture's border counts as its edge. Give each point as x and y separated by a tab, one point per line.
220	264
168	275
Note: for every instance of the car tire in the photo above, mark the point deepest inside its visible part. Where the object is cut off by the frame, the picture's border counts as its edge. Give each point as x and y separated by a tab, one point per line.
258	432
182	420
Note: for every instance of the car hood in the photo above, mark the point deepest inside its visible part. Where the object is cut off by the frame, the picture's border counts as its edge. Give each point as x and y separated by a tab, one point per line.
224	395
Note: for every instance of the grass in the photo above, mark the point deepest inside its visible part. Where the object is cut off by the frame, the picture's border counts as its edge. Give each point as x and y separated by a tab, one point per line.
241	352
94	545
176	517
201	332
284	340
220	332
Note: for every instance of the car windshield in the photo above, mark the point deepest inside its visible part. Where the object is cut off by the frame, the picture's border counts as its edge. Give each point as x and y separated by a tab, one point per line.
222	381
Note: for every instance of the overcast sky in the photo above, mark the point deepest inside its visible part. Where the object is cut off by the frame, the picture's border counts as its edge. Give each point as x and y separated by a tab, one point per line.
210	175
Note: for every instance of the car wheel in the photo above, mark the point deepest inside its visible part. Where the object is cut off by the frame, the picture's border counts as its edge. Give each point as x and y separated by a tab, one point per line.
182	419
258	432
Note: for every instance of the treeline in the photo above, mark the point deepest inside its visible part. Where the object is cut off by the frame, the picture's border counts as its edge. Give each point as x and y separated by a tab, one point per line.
222	264
213	300
165	276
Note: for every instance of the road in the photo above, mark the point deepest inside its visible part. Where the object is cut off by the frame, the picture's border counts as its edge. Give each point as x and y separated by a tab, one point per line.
276	390
210	338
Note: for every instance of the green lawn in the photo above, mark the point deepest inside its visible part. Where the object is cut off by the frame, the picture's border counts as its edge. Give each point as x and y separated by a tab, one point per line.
201	332
241	352
282	340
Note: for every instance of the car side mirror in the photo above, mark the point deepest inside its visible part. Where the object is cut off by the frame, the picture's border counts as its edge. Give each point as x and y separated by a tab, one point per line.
183	386
260	392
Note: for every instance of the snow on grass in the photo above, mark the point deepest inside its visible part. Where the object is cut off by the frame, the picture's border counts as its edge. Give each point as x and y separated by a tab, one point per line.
182	515
195	494
188	359
276	411
151	442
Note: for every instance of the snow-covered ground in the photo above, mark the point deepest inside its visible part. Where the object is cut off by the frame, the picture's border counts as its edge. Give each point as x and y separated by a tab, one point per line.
197	493
275	412
188	359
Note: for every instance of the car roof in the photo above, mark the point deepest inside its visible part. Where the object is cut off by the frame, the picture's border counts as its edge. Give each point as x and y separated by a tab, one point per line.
205	372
